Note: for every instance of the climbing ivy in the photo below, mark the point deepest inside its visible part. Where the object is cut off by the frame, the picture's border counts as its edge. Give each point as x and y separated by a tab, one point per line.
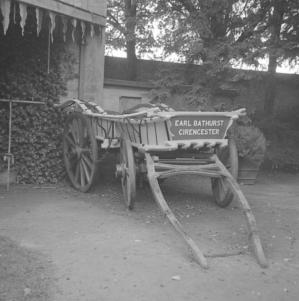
36	129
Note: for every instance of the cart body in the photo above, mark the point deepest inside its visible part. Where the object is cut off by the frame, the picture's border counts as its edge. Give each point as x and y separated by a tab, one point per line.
155	143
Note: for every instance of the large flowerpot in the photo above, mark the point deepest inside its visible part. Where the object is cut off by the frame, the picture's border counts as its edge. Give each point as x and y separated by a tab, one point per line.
248	172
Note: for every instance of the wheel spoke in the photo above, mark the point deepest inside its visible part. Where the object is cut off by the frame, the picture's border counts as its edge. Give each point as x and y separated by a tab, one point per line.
87	161
85	169
70	141
77	130
128	173
82	178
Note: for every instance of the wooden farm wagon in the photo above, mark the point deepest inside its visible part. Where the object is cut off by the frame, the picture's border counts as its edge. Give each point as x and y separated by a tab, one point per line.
155	143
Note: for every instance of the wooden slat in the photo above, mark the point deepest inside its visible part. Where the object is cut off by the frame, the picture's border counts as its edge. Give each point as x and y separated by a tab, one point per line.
188	167
178	172
151	134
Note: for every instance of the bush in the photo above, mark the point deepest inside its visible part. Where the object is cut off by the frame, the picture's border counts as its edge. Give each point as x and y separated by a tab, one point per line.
251	143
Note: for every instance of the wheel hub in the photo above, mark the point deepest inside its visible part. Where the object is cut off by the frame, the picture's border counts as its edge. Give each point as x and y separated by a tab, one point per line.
120	171
78	151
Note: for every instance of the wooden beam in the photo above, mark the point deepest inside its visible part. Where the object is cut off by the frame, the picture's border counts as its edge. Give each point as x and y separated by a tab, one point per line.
174	172
69	10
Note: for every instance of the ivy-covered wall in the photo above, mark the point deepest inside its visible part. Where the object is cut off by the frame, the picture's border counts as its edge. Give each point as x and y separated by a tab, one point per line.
36	129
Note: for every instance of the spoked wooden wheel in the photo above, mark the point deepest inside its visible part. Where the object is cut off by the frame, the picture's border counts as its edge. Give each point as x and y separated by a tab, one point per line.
229	157
80	152
128	173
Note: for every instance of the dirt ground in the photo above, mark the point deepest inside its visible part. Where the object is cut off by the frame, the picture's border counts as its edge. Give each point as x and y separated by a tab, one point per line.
61	245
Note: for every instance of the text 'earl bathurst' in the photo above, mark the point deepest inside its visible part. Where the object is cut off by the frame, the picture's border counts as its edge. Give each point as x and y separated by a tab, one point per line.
196	123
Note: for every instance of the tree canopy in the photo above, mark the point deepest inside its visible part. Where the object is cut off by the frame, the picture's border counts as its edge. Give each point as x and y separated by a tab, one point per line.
205	30
213	33
218	33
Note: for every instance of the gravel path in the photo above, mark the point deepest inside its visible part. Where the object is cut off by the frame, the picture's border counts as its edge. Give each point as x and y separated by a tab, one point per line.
73	246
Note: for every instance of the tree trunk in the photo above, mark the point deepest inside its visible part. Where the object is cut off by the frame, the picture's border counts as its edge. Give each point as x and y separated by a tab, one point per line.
131	60
275	28
130	12
270	94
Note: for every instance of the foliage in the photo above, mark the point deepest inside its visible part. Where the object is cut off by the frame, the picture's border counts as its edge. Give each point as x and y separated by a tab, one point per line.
196	90
166	85
206	33
36	142
36	129
216	31
281	36
201	31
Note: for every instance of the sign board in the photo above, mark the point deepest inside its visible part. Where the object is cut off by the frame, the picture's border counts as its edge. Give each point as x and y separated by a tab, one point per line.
198	127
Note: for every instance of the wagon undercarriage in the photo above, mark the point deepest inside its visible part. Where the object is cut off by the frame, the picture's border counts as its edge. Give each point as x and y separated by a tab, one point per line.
156	143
